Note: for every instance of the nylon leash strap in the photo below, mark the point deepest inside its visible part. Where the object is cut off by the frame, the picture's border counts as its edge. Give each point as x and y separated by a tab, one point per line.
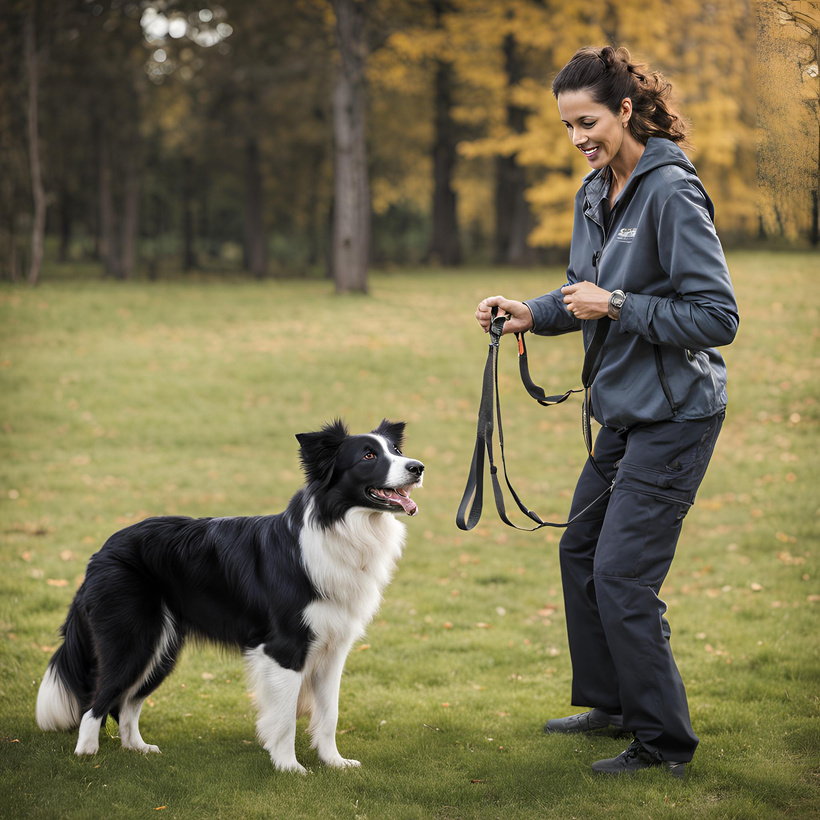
489	411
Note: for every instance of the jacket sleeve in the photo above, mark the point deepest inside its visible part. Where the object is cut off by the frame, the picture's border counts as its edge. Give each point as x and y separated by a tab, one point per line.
703	313
550	316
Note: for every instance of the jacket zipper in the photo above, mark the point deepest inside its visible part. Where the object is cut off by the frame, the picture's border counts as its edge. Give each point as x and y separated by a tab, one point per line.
663	380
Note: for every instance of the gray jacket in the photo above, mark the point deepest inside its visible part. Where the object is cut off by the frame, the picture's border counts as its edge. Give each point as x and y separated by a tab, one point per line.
661	249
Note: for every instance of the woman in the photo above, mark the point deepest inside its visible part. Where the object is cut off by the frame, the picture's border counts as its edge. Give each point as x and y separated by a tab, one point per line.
644	253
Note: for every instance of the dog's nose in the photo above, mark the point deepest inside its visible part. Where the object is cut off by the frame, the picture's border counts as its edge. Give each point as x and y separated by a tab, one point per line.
416	468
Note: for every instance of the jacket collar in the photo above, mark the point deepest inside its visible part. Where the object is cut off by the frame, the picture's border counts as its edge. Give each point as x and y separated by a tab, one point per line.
658	152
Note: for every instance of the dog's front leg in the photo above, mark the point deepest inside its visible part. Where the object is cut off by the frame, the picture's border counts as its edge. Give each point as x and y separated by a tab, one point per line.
326	681
277	692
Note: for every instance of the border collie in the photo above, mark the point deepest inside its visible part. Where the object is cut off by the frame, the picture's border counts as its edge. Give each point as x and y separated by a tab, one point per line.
292	591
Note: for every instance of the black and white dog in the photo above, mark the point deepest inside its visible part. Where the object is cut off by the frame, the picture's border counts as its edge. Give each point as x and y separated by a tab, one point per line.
292	591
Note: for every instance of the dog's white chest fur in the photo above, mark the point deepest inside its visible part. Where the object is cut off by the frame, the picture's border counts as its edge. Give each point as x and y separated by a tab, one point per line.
350	564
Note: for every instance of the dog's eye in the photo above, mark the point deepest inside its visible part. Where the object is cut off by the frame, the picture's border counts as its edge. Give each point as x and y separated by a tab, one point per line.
369	456
397	450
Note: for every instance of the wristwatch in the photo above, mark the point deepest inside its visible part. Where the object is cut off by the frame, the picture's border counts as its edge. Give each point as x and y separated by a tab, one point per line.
616	302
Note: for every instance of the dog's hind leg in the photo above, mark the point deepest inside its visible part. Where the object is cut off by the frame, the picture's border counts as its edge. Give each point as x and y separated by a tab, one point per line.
325	682
276	690
88	742
135	654
130	729
159	666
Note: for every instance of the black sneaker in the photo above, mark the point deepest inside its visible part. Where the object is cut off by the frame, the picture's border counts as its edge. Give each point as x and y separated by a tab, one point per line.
593	721
635	758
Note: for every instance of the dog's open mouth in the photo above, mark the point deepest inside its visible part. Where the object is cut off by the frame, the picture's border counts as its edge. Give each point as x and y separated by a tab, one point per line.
399	497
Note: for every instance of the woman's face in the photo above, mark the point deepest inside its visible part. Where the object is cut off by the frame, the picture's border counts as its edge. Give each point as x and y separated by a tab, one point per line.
592	127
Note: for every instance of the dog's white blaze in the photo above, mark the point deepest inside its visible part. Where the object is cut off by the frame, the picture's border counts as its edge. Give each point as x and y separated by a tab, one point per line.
57	709
398	475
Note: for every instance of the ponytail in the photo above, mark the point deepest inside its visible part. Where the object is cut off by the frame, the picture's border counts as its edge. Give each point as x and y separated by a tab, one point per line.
610	76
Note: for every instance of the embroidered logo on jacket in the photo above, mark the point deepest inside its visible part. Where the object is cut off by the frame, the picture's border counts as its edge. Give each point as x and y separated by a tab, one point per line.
626	234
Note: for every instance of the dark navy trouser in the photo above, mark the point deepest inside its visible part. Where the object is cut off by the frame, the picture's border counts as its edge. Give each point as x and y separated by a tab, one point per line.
613	563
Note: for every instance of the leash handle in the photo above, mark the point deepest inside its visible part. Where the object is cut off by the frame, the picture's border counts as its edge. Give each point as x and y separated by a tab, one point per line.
496	329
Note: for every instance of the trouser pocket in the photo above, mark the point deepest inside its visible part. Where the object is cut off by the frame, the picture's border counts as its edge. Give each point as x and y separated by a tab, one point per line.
668	460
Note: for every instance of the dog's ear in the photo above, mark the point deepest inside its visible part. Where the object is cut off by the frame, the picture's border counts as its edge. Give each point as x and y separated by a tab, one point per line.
392	431
318	450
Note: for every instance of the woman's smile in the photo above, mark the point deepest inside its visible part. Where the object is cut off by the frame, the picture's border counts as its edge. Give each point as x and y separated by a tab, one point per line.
599	134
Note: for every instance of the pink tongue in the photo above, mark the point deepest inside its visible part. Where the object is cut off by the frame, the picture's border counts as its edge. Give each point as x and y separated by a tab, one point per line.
407	504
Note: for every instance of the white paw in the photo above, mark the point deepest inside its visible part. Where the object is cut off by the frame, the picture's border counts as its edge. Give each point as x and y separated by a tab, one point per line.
289	766
146	748
340	762
87	748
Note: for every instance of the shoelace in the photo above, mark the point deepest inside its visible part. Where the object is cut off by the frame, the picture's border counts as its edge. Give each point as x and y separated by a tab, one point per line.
636	750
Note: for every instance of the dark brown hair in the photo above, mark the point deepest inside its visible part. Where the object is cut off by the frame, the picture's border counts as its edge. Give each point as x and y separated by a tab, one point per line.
610	76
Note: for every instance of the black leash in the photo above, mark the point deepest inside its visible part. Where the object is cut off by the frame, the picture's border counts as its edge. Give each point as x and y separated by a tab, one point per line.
484	434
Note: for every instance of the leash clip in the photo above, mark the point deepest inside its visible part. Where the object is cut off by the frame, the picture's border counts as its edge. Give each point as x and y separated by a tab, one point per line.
497	326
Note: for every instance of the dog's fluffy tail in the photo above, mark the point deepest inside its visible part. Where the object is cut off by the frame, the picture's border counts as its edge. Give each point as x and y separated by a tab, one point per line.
65	690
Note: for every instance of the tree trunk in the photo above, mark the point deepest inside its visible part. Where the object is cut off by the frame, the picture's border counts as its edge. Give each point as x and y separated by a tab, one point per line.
444	243
130	215
188	228
512	211
351	212
66	203
37	191
107	236
255	246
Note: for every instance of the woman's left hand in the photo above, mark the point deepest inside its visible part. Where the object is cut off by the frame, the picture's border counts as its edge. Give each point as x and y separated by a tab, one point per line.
585	300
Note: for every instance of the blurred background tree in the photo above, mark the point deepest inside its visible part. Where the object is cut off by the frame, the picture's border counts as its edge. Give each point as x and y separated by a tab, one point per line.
790	119
167	135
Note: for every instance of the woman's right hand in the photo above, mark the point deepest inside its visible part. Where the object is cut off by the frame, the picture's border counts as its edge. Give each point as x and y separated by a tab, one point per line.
520	315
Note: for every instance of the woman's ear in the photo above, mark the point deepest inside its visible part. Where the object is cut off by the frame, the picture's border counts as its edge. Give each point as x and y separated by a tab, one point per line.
626	111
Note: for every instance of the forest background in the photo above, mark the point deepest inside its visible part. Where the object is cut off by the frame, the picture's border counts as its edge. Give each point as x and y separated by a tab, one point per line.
311	137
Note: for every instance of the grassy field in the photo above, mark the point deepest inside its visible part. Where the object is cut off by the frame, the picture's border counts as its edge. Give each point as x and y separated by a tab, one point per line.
120	401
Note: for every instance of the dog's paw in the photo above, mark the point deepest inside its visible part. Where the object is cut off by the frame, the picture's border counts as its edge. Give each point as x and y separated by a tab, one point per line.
87	748
147	748
289	766
340	762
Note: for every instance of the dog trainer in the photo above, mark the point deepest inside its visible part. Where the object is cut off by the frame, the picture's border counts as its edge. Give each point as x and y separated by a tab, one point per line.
644	253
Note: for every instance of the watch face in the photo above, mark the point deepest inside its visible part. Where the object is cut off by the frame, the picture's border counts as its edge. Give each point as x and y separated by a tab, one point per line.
617	299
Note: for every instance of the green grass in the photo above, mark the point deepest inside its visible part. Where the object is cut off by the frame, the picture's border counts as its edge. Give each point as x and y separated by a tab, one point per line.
119	401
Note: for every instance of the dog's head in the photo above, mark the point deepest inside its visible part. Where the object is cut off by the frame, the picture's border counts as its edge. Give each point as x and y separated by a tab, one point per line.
344	471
